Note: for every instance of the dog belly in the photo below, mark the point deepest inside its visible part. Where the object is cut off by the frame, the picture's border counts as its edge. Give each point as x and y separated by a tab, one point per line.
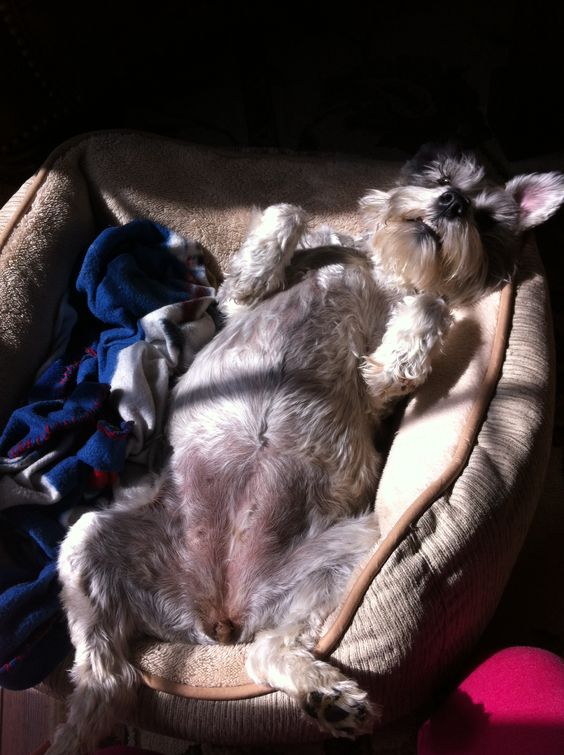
251	493
249	539
271	437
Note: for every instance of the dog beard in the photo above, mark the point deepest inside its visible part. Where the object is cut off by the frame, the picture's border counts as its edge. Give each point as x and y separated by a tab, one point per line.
429	252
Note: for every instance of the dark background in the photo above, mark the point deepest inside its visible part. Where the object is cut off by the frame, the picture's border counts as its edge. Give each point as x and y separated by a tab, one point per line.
373	80
376	80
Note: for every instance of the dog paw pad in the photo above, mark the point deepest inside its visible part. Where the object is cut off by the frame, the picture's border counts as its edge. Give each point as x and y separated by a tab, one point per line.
343	710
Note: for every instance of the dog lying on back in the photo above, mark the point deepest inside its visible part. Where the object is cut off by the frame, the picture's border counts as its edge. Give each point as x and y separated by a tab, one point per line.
265	508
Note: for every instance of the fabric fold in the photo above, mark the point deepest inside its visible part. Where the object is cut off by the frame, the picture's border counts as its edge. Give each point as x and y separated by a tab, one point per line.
94	418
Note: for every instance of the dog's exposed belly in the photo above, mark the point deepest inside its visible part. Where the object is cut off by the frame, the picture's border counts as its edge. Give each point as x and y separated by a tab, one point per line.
250	428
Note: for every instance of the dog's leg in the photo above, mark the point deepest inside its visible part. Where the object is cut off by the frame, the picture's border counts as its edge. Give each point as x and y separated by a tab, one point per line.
258	268
403	360
283	657
100	627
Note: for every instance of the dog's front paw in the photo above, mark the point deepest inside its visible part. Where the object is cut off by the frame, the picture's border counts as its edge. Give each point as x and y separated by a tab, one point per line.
384	387
402	362
342	710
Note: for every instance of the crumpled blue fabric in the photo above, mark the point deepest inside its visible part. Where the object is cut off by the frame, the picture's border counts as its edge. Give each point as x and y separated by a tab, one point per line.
127	272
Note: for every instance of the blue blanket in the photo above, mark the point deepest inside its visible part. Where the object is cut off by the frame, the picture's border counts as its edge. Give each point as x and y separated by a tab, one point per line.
71	431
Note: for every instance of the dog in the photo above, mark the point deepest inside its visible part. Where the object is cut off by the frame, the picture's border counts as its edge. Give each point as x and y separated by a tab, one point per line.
265	509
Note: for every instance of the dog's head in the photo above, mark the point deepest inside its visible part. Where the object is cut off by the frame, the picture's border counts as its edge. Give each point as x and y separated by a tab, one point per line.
447	230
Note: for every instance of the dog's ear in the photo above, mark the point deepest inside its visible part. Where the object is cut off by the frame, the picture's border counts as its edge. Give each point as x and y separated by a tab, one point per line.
372	205
538	195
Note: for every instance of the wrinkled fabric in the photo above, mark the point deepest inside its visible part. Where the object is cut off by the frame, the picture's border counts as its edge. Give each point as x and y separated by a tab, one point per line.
97	405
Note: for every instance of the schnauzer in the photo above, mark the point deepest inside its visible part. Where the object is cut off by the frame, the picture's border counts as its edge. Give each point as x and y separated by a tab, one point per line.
252	532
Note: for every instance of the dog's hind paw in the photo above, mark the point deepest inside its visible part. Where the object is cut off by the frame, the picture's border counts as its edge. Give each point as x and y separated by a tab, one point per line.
342	710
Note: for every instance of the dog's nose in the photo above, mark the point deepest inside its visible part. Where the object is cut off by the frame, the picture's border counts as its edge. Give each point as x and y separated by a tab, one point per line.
453	204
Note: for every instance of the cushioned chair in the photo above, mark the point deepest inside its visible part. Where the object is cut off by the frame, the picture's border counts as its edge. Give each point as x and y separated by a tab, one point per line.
464	470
